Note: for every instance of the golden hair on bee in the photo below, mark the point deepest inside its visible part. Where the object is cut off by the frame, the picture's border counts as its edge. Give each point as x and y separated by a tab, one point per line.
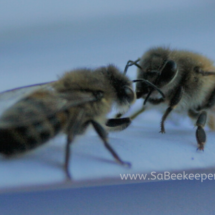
78	99
187	80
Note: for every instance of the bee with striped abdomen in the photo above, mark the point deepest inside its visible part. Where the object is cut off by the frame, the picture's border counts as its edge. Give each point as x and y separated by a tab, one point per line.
187	80
78	99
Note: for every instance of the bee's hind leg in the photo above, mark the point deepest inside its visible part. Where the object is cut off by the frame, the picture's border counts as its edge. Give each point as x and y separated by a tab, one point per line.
104	136
200	132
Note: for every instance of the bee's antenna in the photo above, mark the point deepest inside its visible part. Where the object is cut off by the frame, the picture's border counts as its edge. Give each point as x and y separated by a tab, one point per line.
131	63
151	85
156	81
147	97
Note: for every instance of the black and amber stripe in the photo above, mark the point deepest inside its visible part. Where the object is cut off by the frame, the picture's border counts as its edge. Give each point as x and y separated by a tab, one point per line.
24	138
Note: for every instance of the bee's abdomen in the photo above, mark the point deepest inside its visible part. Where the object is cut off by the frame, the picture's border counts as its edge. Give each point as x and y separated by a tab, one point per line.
23	138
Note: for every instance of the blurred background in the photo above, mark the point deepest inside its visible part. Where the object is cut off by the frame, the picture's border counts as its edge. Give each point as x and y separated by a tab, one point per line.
39	40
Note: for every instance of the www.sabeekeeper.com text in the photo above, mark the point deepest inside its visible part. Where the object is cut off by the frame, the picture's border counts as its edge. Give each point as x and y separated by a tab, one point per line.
165	176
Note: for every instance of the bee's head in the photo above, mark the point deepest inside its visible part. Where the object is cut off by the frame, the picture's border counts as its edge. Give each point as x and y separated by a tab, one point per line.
159	78
156	68
122	87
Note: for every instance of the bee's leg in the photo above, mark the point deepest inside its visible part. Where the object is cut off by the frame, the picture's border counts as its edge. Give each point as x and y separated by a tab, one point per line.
137	113
200	123
151	101
118	124
67	155
103	135
208	104
173	103
72	129
200	132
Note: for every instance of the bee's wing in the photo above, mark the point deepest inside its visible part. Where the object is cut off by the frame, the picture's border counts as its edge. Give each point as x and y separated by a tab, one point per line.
10	97
41	103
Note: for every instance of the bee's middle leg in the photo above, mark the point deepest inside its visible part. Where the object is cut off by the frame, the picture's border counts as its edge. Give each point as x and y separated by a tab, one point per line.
173	103
71	131
68	155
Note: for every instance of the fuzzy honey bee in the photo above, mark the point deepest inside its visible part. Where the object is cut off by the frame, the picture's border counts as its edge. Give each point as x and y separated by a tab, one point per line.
187	80
78	99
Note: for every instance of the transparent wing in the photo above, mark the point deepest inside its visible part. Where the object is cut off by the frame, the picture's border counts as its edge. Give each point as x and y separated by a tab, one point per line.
10	97
38	103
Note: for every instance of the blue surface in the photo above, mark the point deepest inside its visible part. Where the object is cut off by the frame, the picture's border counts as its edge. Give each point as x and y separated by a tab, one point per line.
172	197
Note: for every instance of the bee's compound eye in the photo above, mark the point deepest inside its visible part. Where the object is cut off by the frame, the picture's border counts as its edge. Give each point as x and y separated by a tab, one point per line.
129	94
171	65
169	71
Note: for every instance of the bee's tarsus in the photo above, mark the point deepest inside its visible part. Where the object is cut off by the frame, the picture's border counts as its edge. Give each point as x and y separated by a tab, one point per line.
127	164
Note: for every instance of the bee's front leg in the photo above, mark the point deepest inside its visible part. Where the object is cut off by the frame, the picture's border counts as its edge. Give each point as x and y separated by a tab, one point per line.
118	123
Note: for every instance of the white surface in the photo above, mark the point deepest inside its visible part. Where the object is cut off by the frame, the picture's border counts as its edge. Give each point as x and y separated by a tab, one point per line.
37	46
141	144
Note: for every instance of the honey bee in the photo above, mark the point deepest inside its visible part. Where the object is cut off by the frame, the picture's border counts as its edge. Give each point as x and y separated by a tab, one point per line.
187	80
78	99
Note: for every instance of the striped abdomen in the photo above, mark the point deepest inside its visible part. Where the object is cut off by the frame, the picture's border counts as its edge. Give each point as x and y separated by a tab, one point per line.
23	138
31	122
